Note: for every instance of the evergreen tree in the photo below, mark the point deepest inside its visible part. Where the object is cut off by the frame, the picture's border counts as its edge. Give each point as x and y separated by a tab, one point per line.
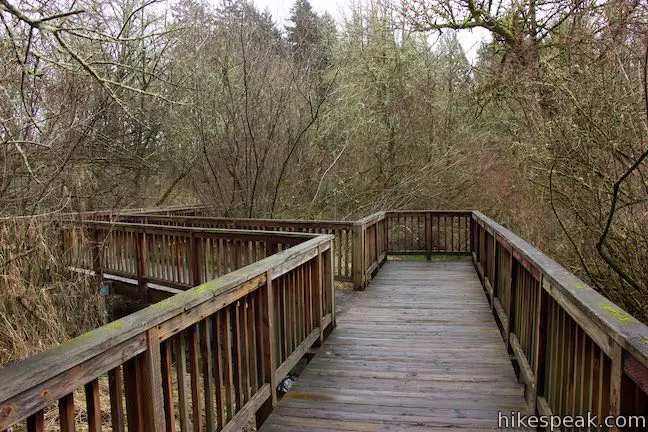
304	35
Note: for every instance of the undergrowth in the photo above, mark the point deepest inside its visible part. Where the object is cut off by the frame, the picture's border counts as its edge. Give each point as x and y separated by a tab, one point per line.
42	302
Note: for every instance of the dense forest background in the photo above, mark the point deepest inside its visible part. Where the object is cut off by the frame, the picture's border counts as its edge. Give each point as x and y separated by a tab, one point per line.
118	103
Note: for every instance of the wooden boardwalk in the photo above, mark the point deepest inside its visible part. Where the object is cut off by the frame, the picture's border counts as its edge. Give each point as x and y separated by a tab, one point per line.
419	350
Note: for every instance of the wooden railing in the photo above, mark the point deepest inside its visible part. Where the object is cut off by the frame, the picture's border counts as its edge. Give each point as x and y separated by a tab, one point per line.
371	245
213	355
576	351
175	257
179	210
210	357
429	232
343	232
360	246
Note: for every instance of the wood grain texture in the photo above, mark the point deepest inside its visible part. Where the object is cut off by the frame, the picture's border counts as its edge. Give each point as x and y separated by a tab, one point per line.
595	313
93	406
107	347
66	413
418	350
293	229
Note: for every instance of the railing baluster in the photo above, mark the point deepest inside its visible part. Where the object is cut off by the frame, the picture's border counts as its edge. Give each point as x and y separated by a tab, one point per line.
194	377
167	386
238	367
67	418
269	347
230	398
132	390
36	422
244	368
253	342
616	376
294	311
540	346
219	370
183	391
318	300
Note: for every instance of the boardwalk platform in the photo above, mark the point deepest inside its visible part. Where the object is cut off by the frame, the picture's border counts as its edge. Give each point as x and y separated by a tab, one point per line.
419	350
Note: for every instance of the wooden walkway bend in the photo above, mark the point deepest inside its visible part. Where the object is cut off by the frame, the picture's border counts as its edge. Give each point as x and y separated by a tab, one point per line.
427	346
418	350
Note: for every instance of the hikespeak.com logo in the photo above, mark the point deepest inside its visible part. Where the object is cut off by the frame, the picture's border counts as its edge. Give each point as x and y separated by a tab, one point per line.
517	419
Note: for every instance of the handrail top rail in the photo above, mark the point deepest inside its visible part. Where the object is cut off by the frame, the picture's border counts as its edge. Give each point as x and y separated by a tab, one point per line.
441	212
185	229
626	330
52	362
139	211
371	219
177	207
342	224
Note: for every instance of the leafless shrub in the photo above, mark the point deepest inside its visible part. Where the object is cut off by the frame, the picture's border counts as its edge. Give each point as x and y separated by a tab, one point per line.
42	303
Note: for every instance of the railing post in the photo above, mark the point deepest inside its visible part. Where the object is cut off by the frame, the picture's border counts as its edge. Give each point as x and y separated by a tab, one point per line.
494	262
269	350
471	232
375	243
616	376
150	365
386	228
141	264
359	266
96	255
143	387
428	235
540	331
318	301
328	282
494	271
474	234
511	301
195	258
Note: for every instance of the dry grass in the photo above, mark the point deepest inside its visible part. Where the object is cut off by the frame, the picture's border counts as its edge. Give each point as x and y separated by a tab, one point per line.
41	303
52	423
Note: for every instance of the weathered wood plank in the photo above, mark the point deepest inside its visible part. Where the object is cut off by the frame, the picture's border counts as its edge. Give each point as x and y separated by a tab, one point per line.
64	383
183	390
208	385
595	313
66	414
93	406
61	360
418	349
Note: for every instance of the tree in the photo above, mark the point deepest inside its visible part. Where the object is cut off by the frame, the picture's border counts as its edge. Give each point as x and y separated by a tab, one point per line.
74	78
564	86
249	113
304	34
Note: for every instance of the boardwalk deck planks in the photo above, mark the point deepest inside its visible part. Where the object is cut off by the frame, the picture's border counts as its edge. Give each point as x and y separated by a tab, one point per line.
425	347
